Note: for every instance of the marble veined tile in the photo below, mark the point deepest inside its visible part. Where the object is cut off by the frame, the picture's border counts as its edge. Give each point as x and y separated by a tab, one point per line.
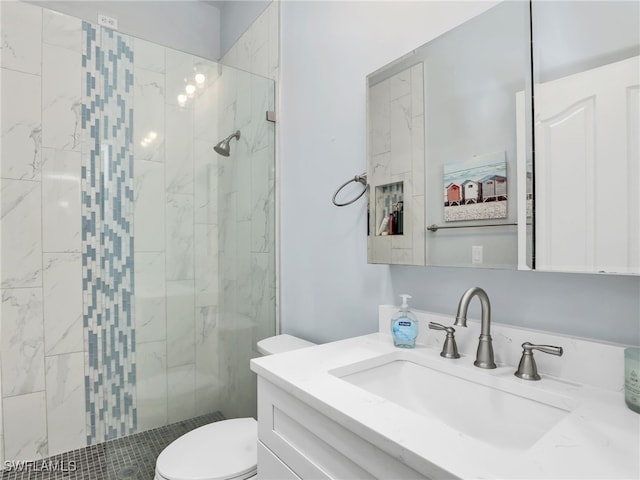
62	294
262	201
260	59
273	14
61	197
417	90
180	237
262	134
209	388
244	205
380	169
21	37
206	266
239	106
148	55
243	267
418	154
211	72
151	384
178	72
400	84
179	150
206	182
148	120
180	323
181	399
263	295
380	126
61	30
65	402
206	114
22	341
20	204
21	125
150	297
25	426
401	124
61	98
149	206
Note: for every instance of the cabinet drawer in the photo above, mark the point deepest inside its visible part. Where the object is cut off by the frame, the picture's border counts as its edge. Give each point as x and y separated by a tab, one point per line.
271	467
316	447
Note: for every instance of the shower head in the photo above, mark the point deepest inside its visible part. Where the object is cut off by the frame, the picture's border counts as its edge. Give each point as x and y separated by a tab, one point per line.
223	147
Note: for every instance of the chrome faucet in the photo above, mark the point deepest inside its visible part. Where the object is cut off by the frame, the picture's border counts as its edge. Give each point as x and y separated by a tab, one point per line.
484	355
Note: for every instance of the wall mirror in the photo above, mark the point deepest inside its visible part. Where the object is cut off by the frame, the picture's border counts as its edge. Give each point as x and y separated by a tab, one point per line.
452	130
443	145
587	123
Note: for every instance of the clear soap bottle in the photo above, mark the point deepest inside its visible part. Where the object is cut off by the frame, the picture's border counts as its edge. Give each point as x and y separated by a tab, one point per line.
404	326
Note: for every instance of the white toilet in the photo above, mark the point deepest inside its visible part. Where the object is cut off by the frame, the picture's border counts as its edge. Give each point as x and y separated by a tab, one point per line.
225	450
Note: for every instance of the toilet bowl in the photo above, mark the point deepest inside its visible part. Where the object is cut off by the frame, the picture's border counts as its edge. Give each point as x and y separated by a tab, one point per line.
225	450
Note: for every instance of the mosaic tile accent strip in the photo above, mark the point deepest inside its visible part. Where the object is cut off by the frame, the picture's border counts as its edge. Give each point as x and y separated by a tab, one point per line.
107	236
130	458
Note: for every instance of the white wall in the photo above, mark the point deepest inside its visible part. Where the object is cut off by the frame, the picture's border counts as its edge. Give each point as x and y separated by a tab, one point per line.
328	290
189	26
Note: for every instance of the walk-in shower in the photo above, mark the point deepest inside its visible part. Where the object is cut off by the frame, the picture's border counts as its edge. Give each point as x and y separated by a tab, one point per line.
138	271
223	147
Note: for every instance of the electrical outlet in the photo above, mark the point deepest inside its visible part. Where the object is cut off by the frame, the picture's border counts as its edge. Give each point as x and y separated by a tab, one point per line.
107	21
476	254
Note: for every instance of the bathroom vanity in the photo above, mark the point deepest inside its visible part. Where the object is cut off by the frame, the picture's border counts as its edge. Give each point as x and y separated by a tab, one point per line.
361	408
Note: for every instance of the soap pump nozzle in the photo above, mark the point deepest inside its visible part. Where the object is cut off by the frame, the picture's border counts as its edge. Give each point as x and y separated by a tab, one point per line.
405	305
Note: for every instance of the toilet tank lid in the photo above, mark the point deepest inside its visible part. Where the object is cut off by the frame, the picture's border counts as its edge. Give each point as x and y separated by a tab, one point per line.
281	343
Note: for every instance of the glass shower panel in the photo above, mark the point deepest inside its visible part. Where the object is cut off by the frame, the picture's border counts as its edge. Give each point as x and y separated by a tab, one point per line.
246	209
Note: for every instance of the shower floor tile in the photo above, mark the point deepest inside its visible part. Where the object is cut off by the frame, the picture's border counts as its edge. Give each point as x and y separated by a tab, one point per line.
128	458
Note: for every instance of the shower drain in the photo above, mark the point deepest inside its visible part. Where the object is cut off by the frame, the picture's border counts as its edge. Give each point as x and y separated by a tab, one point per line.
130	471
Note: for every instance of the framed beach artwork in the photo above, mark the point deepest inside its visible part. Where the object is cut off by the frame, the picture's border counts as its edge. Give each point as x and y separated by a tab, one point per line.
477	189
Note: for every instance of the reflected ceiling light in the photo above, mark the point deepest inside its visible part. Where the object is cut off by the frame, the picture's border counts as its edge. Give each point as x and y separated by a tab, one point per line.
151	136
182	99
199	78
190	89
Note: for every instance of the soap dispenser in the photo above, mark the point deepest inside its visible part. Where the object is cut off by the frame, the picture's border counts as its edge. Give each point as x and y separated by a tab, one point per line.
404	326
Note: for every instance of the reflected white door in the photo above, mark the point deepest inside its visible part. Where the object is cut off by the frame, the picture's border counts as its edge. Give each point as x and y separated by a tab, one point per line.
587	170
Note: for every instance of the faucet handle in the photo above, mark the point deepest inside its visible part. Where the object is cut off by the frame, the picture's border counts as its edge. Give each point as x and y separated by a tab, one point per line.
450	348
527	369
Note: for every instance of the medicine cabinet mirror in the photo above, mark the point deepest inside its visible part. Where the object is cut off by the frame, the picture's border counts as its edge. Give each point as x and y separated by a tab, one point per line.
454	177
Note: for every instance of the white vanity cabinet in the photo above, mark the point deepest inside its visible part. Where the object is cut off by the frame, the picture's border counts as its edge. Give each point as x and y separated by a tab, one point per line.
296	441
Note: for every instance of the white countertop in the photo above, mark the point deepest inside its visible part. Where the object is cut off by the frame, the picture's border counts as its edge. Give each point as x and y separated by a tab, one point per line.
599	438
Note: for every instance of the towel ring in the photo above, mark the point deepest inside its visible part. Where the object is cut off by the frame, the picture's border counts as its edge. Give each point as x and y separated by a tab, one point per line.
362	178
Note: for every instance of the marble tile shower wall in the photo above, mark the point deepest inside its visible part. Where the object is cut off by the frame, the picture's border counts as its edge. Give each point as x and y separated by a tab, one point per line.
42	345
179	369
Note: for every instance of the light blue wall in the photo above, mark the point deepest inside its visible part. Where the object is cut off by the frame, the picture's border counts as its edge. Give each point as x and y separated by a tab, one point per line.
605	307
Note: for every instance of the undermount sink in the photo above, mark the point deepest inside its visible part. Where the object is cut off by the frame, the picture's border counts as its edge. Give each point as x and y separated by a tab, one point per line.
488	412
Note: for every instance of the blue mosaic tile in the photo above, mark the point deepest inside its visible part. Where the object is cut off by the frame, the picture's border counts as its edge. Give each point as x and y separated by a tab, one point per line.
107	200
